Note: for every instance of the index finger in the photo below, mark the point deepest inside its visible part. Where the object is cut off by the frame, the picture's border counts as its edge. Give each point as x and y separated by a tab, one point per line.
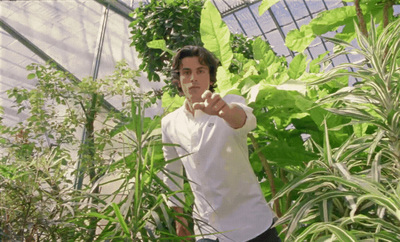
207	94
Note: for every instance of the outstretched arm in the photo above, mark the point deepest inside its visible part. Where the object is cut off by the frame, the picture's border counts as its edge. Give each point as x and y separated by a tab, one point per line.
213	104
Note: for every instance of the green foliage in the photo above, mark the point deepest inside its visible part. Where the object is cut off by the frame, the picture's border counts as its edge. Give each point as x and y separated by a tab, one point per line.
330	20
168	21
36	202
162	27
122	151
141	212
374	101
351	192
211	27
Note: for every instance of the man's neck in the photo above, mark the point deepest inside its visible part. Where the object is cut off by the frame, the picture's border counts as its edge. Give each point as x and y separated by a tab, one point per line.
189	107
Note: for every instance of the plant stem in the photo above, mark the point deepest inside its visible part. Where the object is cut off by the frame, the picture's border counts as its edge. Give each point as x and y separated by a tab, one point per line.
89	155
388	4
268	171
286	181
360	17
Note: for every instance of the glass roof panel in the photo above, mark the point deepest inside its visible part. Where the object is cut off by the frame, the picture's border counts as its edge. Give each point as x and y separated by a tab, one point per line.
248	22
264	20
233	24
315	7
281	13
275	40
298	9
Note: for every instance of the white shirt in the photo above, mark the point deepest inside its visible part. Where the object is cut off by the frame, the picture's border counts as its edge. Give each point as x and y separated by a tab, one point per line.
228	197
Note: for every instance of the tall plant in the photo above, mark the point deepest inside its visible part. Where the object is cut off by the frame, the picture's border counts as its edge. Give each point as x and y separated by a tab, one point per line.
141	212
352	192
40	154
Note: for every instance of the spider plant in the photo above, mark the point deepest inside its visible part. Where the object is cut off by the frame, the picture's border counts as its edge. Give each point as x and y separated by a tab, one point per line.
352	192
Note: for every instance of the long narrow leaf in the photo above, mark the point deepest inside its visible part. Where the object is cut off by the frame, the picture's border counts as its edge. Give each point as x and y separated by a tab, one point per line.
121	219
340	233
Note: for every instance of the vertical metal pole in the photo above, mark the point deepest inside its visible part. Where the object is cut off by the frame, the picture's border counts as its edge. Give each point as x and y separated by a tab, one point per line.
96	65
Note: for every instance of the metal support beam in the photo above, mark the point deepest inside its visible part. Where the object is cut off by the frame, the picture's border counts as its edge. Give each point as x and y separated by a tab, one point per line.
96	67
237	8
258	24
118	7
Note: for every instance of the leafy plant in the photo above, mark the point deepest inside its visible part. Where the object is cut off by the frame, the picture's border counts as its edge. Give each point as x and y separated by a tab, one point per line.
36	199
140	213
122	151
351	192
347	16
164	20
374	101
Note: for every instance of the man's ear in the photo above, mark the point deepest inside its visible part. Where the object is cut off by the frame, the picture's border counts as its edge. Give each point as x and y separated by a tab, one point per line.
176	82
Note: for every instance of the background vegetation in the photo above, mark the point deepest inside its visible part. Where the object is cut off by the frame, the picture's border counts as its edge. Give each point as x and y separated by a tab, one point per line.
328	154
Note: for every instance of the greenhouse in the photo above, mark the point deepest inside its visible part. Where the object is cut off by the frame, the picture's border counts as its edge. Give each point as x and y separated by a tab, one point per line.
85	85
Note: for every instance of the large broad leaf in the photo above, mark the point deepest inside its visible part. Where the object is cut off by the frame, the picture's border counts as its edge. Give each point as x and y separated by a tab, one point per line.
260	48
281	154
297	66
326	21
329	20
215	34
299	40
226	82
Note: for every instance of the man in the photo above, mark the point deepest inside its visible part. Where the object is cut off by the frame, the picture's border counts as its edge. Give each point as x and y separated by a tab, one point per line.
212	136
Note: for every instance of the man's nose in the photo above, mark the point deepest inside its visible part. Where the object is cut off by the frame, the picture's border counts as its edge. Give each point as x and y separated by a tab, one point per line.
192	77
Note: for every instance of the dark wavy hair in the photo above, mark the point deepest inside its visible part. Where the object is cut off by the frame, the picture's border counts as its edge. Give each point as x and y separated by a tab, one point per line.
205	58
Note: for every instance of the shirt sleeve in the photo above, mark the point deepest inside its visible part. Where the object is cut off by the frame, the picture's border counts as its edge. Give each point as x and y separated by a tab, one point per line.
251	121
173	170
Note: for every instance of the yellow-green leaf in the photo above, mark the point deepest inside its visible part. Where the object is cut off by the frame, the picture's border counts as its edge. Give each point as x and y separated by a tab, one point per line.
160	44
215	34
299	40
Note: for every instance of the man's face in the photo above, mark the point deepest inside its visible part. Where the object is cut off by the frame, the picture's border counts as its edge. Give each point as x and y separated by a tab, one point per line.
194	78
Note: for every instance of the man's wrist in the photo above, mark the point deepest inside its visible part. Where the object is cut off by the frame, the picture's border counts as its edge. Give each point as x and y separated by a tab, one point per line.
234	115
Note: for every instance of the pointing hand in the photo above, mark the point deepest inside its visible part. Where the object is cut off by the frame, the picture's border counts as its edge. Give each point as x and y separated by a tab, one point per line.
212	104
